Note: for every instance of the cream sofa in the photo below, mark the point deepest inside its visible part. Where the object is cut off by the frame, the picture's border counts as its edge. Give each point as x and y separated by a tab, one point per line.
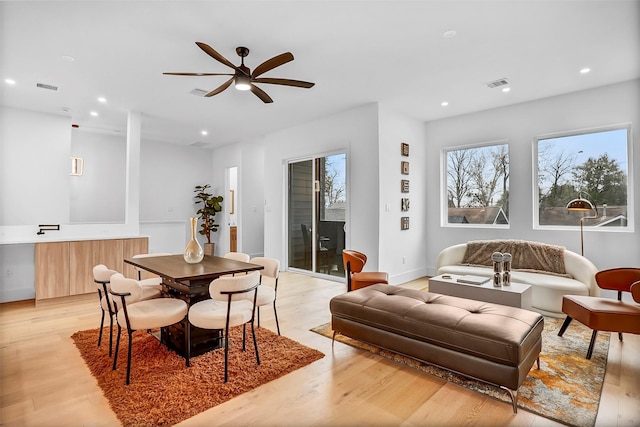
547	288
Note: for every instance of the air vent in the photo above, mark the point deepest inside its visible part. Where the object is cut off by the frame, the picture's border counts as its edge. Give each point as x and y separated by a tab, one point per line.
198	144
46	86
199	92
498	83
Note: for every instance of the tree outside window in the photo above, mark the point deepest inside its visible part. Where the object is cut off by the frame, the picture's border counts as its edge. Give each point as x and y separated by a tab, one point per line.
592	165
478	185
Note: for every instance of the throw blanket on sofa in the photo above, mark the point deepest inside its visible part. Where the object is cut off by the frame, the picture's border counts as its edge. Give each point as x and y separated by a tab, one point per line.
534	256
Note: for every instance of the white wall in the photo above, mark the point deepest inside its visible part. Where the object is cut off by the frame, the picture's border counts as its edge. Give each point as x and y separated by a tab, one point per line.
354	132
250	199
248	157
168	176
403	253
34	168
99	194
519	124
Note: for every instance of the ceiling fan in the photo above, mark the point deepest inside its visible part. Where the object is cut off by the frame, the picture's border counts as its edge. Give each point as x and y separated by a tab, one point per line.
243	78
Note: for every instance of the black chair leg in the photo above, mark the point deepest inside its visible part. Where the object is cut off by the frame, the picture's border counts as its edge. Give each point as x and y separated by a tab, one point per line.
592	343
226	354
255	343
187	348
275	313
101	327
110	334
129	356
620	336
564	326
244	336
258	308
115	356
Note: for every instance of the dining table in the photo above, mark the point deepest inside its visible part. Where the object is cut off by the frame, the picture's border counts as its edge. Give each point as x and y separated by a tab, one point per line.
190	282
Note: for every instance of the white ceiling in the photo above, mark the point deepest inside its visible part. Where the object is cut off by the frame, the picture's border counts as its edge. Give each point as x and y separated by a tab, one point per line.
356	52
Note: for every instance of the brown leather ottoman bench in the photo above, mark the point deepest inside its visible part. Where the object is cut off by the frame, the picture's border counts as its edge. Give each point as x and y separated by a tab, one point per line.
489	342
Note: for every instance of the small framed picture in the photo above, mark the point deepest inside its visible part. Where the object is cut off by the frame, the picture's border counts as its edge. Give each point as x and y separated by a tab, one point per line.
404	149
404	168
404	185
404	223
404	204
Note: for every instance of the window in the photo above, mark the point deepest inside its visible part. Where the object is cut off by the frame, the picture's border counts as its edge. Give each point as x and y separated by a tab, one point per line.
587	164
477	180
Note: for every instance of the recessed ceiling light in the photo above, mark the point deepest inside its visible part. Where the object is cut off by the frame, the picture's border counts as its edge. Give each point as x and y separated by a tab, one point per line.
506	89
10	81
444	103
102	99
204	132
585	70
94	113
449	33
68	58
65	109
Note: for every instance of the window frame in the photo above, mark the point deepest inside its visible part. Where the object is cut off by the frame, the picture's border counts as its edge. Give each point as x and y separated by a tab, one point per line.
630	227
444	187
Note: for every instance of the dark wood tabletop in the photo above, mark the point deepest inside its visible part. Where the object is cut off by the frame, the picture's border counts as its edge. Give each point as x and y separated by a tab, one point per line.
175	268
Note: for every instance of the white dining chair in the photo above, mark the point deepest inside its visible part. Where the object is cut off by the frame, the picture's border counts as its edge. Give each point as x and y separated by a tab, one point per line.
135	314
232	303
267	294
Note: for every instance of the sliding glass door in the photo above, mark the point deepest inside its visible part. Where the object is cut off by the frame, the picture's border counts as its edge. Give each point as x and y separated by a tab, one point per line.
317	203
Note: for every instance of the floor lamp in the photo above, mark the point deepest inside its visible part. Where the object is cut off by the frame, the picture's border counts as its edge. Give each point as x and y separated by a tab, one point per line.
582	205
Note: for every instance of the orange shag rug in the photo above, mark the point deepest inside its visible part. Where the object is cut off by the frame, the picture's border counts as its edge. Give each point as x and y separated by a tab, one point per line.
163	391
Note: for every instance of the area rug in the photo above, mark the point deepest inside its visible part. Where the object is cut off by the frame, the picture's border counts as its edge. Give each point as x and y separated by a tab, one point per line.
163	391
566	389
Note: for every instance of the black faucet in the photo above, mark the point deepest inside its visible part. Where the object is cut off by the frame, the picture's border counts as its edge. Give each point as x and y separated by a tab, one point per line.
48	227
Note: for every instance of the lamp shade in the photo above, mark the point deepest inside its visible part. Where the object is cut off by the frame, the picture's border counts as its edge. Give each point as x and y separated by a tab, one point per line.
580	204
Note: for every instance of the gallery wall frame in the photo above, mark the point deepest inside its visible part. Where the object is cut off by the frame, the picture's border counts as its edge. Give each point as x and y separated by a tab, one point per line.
404	168
404	223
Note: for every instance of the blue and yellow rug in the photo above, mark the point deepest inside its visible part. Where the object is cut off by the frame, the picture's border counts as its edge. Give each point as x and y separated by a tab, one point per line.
566	388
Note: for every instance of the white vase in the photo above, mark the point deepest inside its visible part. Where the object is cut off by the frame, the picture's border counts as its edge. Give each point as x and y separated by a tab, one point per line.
193	253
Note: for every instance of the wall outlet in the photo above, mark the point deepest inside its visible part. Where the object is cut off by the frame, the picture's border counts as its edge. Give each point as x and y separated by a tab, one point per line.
404	259
8	272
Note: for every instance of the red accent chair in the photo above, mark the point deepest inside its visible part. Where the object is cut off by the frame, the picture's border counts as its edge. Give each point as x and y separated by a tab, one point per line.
354	262
605	314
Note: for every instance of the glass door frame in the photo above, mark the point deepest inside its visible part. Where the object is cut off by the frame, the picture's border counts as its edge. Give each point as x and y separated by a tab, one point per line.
314	240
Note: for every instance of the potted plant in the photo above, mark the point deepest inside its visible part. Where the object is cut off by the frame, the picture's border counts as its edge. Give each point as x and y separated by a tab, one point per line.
209	206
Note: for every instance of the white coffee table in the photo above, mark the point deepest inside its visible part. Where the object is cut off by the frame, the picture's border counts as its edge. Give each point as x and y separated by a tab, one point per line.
514	295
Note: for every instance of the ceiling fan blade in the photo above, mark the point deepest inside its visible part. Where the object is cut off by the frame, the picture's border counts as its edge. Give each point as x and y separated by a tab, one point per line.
215	55
272	63
220	88
198	74
285	82
261	94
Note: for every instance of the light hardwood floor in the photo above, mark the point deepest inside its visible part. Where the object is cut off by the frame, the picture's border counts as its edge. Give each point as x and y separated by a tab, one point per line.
44	381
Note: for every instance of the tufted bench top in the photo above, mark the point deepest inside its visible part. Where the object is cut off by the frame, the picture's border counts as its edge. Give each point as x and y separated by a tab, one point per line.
505	335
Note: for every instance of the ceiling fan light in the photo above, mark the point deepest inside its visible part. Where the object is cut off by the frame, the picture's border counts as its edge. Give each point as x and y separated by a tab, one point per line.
243	82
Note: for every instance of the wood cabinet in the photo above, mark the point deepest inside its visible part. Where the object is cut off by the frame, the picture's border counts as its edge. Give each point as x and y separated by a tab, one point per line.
130	248
52	269
66	268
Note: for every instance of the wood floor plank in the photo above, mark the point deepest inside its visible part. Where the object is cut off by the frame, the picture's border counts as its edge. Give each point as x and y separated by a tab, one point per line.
42	373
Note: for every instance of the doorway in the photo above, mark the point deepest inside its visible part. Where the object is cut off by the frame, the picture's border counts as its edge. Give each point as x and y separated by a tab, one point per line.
317	205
